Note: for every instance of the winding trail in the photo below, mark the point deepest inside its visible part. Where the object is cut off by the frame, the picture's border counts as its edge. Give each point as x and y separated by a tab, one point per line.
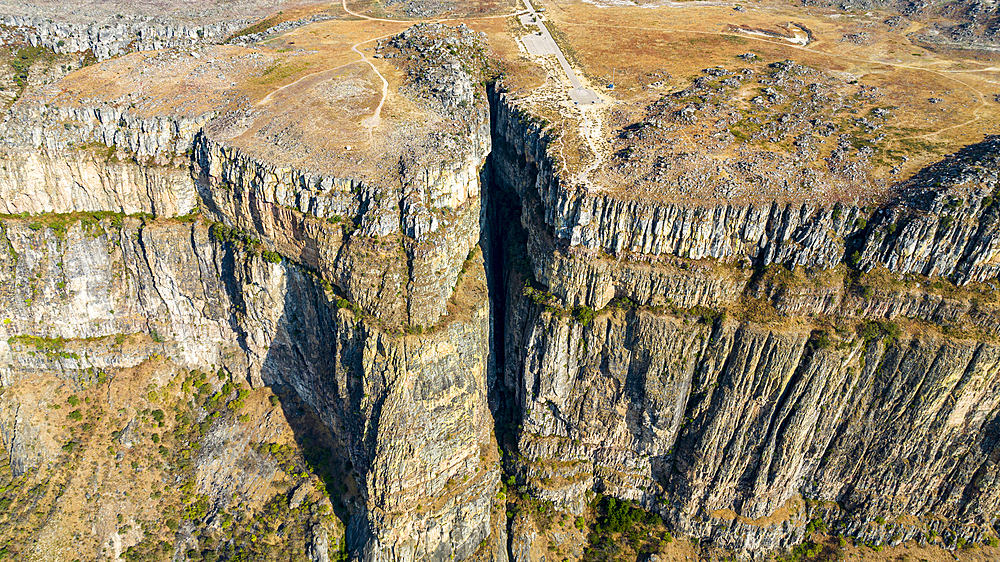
343	4
373	121
267	99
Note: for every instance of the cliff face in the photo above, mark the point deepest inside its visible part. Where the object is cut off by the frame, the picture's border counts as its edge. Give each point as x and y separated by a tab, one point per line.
70	159
409	247
410	410
741	426
657	409
365	301
945	222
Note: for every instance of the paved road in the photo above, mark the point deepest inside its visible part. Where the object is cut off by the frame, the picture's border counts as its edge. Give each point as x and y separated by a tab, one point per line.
542	43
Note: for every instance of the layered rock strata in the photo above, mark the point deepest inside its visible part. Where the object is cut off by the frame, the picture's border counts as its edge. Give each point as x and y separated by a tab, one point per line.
367	298
738	428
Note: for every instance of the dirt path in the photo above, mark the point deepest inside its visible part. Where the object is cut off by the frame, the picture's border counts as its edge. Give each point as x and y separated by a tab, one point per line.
312	78
343	4
373	121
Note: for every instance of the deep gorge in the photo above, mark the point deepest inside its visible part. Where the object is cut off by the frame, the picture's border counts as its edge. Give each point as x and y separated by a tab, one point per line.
738	370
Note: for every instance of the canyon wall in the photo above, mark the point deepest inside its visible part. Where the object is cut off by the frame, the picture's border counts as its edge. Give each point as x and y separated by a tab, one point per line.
369	302
741	370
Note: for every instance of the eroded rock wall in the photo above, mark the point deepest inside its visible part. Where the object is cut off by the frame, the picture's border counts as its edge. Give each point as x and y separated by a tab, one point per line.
409	408
719	427
943	223
80	159
740	428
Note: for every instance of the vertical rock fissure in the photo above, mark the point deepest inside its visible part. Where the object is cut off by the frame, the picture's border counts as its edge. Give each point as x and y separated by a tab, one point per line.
501	228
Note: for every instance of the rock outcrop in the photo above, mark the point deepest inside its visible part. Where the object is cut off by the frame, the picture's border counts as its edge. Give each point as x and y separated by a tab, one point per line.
117	35
738	427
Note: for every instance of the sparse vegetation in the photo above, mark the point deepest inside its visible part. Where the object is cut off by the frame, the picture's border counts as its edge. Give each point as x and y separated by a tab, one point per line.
871	330
622	531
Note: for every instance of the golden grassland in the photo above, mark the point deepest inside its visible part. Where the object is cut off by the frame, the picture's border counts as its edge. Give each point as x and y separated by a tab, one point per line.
303	97
661	48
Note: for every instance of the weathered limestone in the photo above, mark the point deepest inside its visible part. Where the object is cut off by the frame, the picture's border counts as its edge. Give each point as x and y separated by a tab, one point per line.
739	430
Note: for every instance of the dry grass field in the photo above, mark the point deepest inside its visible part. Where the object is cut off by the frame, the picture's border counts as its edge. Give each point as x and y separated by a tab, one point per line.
703	106
280	100
704	101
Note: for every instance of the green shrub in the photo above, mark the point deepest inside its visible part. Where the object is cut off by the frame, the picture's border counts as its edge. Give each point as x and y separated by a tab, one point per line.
584	314
75	415
874	329
620	515
816	524
707	315
344	303
820	339
271	257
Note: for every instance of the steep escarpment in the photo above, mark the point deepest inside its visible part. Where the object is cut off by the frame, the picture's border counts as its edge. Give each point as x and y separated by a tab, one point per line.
743	369
201	300
944	223
359	300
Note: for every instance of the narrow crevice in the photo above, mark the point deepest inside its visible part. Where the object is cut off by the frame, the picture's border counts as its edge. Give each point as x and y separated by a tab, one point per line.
503	238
